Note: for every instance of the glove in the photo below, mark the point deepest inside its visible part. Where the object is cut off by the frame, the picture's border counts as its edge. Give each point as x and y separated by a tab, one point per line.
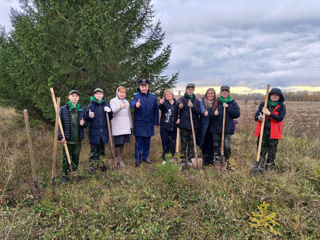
225	105
260	117
190	105
107	109
266	111
181	105
91	114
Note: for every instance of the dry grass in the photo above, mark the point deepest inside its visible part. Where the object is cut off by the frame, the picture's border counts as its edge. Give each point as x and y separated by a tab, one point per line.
141	203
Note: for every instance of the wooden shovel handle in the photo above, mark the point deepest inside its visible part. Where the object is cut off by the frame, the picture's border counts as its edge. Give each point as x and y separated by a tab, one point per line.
110	139
193	135
223	130
61	129
262	125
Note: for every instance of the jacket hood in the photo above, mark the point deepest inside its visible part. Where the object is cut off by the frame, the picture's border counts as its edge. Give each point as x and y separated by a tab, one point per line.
277	91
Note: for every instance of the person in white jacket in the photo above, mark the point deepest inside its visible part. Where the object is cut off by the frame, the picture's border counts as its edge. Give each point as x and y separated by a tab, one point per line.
121	123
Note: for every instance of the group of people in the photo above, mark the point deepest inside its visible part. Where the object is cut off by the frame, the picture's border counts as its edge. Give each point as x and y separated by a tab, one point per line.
208	118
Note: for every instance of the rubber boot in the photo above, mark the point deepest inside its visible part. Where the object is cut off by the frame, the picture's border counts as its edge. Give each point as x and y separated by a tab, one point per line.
270	164
217	163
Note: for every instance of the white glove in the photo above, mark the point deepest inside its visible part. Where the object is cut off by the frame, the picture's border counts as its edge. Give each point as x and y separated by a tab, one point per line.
91	114
266	111
260	117
107	109
225	105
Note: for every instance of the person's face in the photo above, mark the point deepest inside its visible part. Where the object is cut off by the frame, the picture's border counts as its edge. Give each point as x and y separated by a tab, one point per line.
74	98
144	88
210	95
190	90
98	96
224	93
122	94
168	96
274	97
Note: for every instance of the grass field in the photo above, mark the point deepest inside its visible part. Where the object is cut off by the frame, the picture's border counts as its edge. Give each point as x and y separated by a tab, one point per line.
159	202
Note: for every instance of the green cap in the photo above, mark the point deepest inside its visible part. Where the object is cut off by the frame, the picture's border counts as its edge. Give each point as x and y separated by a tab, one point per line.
74	91
191	85
225	87
98	90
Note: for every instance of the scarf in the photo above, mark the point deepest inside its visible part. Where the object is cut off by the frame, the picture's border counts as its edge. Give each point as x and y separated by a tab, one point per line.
189	96
77	107
225	100
273	104
93	99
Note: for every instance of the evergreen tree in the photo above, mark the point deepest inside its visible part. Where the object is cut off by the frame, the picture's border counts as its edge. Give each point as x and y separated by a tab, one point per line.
81	45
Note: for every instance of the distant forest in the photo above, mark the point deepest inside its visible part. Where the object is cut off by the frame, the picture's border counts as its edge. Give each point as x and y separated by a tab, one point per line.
288	96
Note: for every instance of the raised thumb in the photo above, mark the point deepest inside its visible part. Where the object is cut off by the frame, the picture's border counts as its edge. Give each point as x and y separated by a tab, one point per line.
138	100
89	110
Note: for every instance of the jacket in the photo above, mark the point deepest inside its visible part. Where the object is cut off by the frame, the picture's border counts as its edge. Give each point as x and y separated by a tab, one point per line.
147	115
65	117
185	122
121	122
232	112
98	127
169	115
276	117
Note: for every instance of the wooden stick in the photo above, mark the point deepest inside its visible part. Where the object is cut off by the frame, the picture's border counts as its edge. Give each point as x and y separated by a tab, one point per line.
178	129
193	136
61	129
111	142
33	166
223	129
55	146
262	125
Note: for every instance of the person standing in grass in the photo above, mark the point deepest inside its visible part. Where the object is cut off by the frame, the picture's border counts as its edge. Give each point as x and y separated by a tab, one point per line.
72	116
205	137
186	102
121	123
98	128
232	112
168	123
146	118
275	113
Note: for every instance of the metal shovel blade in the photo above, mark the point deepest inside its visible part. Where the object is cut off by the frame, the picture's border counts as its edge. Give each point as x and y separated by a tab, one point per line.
196	163
256	170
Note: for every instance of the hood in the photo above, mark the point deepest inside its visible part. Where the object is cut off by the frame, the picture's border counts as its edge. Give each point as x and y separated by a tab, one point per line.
277	91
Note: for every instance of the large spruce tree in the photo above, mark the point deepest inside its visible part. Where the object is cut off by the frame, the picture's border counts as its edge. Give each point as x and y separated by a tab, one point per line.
80	44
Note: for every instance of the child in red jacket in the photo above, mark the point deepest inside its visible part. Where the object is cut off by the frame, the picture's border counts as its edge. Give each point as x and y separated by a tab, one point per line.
275	113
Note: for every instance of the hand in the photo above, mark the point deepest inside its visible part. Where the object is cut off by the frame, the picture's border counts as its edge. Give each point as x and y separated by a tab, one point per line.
260	117
107	109
123	105
161	101
81	122
225	105
63	141
190	105
181	105
138	104
216	112
266	111
206	113
91	114
178	121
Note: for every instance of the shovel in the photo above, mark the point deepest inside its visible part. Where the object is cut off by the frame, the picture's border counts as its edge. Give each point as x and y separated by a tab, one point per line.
257	170
112	162
223	163
196	162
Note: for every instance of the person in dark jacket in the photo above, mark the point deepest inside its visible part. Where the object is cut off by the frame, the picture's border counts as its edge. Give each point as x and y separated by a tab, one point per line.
146	118
275	113
73	122
232	112
98	128
205	137
168	123
186	102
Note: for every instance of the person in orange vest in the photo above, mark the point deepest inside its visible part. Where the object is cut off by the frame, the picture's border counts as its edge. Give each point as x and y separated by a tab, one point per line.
275	113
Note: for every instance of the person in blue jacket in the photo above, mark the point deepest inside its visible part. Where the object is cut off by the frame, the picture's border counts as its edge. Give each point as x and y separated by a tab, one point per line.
232	112
205	137
73	123
185	103
98	128
146	118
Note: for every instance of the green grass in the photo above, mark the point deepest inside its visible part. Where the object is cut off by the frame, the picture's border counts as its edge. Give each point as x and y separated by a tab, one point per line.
157	201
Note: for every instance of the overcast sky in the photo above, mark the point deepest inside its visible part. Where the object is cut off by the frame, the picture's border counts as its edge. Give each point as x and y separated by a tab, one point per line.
239	43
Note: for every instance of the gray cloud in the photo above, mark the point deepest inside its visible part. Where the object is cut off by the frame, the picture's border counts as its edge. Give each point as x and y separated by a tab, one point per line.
243	43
